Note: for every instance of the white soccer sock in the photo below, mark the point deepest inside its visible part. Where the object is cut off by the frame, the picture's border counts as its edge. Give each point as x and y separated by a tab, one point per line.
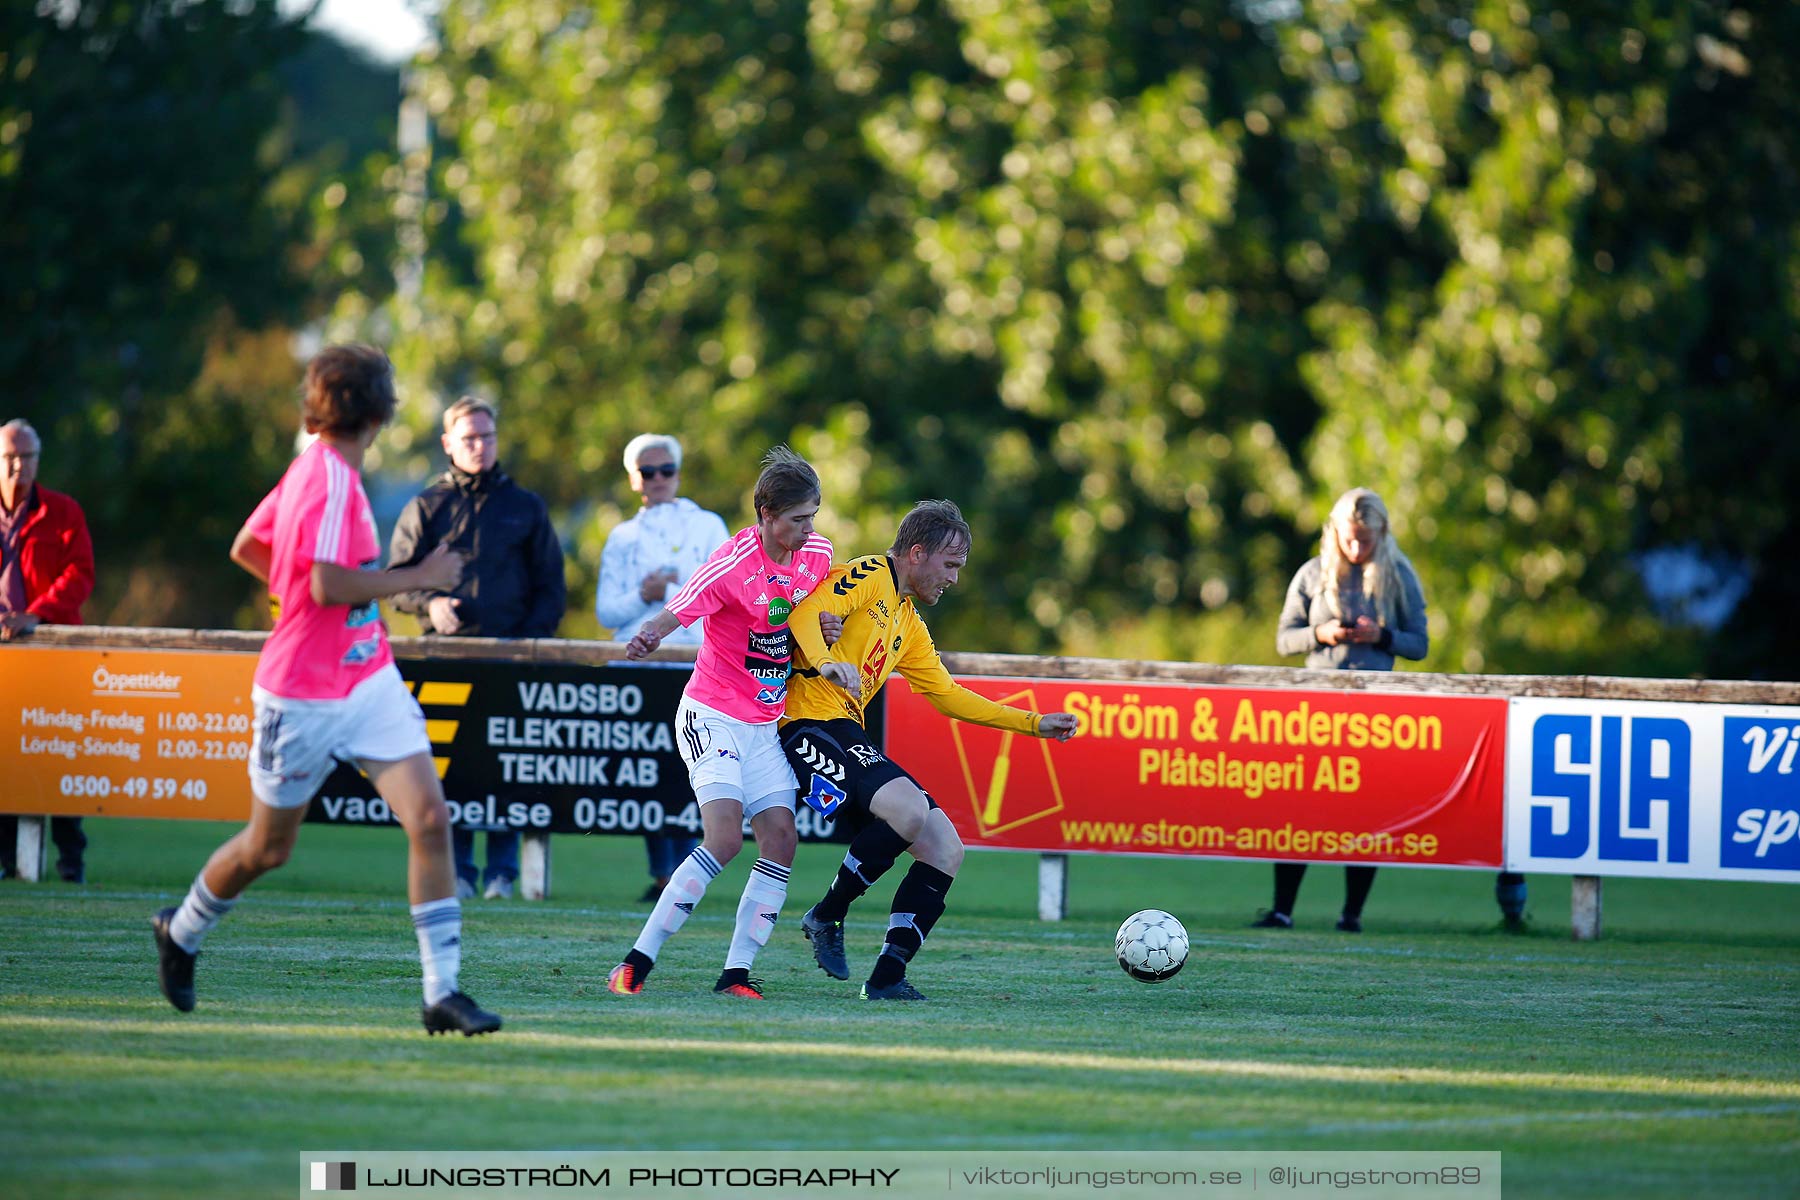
197	915
678	901
764	893
439	926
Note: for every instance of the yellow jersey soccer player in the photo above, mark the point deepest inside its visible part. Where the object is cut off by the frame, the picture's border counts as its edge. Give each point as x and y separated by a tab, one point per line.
842	775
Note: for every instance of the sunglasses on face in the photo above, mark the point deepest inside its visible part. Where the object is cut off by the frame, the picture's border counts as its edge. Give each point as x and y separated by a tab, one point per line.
666	470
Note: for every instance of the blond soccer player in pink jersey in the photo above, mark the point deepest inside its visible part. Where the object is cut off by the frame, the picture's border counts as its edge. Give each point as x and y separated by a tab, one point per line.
725	725
327	690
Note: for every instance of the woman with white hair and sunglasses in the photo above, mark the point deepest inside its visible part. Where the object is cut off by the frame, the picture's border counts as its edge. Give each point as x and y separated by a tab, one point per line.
1356	606
645	562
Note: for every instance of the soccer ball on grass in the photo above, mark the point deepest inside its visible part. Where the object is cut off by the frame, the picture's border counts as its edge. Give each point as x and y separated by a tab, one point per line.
1152	945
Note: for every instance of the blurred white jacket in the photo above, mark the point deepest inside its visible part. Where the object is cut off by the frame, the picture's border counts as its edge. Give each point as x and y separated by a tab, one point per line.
678	534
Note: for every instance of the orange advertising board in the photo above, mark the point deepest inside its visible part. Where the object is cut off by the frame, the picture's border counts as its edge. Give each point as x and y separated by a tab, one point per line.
1320	776
125	733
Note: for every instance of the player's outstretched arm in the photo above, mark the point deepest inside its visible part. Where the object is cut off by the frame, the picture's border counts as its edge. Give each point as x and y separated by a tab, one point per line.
1058	725
252	553
438	571
957	702
650	635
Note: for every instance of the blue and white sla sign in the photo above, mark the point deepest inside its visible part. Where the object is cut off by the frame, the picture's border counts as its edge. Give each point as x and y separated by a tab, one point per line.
1624	787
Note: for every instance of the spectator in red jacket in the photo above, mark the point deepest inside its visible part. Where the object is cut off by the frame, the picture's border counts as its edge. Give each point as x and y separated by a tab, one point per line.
46	574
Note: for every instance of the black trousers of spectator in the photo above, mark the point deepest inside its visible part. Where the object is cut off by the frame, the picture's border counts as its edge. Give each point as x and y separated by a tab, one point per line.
1357	882
65	832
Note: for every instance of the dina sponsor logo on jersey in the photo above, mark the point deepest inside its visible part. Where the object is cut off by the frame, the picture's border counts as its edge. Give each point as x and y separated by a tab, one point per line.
773	645
779	608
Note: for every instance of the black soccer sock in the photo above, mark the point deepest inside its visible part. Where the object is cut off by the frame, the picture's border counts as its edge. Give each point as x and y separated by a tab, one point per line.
1287	886
1357	882
890	964
918	903
872	852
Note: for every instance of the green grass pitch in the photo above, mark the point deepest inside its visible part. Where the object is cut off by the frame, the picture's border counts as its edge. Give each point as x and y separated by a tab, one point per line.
1661	1060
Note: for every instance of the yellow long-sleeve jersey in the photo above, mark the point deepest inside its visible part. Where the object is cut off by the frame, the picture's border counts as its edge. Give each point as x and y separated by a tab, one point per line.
882	634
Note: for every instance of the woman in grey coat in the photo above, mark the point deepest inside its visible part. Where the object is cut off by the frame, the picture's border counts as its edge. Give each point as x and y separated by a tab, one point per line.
1357	606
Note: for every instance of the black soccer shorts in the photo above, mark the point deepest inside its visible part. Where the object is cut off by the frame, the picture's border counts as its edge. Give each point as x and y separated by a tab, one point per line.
838	768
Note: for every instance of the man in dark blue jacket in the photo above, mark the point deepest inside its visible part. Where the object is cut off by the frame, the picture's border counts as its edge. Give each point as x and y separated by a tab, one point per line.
512	587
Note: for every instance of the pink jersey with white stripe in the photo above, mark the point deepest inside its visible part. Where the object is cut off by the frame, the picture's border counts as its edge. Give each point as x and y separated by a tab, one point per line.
742	667
318	513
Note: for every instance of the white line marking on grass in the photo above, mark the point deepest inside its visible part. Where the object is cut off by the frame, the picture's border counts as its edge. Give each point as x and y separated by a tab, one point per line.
1238	1135
1533	1118
83	902
1632	1085
198	1159
1320	948
1301	945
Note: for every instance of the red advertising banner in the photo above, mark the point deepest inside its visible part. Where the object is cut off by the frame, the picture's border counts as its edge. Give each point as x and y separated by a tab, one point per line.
1255	773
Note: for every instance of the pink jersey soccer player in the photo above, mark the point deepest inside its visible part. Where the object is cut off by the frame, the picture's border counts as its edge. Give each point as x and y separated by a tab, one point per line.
327	689
725	725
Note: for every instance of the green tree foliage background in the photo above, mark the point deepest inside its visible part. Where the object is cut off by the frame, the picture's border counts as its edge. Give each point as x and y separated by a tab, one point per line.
1145	285
1142	286
166	229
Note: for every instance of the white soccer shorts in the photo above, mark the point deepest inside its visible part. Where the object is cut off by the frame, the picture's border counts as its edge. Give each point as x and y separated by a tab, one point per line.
298	742
729	759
